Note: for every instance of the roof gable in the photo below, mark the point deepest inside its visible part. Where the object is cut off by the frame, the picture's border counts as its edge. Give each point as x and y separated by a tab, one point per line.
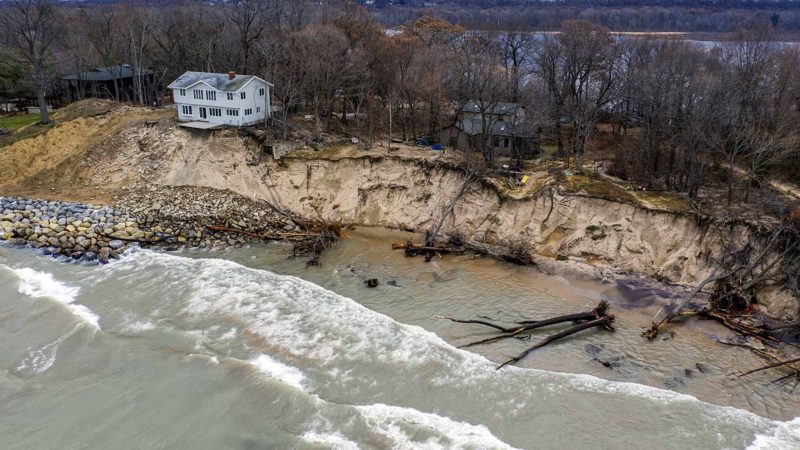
474	126
500	108
217	81
107	73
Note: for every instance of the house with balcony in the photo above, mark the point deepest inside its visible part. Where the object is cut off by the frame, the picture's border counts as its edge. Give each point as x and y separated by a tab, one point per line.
207	100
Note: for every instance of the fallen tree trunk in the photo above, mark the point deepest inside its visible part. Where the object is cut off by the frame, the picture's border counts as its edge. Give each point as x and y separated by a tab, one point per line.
527	325
604	322
791	365
677	308
598	317
264	237
413	249
771	366
469	176
745	269
727	319
316	237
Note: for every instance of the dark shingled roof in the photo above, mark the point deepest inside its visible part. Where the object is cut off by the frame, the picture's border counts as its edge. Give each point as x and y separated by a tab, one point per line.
106	73
500	108
499	128
218	81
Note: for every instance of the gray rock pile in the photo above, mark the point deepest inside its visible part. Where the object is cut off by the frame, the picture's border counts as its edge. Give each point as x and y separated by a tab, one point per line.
82	232
166	217
186	211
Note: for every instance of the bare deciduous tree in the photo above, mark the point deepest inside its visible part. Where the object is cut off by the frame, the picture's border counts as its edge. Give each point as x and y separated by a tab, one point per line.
34	26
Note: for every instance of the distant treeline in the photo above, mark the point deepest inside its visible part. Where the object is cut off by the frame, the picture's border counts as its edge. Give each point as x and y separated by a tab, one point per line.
722	16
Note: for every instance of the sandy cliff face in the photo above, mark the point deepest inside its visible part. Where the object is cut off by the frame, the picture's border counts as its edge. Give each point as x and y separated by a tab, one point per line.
401	194
407	194
377	189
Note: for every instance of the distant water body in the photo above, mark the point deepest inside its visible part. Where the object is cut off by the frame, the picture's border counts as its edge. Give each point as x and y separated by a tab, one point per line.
167	351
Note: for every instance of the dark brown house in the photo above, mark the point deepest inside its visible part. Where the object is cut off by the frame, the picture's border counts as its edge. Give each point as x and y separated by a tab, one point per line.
119	83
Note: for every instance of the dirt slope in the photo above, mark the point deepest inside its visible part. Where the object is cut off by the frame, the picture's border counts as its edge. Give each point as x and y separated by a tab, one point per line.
104	157
57	162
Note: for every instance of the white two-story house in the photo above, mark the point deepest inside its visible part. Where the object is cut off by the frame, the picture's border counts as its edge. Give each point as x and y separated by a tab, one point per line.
221	99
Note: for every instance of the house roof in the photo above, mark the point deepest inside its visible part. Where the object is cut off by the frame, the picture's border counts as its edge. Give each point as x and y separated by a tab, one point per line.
106	73
500	108
474	126
218	81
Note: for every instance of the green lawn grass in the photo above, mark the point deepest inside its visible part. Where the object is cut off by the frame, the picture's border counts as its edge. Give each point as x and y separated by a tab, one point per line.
14	123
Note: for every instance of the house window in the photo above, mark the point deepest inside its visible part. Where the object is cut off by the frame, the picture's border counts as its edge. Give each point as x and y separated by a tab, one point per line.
230	96
198	94
505	143
495	141
187	110
261	92
216	112
248	111
211	95
243	95
183	92
232	112
258	109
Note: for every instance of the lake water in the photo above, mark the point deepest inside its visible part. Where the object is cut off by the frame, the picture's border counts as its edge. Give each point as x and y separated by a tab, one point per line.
248	349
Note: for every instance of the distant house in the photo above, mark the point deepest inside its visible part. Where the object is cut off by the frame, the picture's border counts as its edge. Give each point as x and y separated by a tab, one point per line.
119	82
209	99
503	124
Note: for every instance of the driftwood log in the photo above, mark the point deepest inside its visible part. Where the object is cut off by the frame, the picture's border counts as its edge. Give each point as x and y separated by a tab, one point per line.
313	240
778	363
597	317
605	322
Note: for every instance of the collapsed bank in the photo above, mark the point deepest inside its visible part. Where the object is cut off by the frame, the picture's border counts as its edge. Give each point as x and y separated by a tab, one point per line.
158	174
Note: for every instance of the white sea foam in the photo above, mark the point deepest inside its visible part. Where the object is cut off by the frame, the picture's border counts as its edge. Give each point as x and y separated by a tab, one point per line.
784	436
276	369
332	334
34	283
402	424
138	326
335	440
38	361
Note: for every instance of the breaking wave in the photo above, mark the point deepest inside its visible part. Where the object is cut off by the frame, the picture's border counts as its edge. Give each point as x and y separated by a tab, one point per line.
324	344
37	284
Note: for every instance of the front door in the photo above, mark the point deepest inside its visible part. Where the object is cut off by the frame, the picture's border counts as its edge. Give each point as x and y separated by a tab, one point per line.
203	112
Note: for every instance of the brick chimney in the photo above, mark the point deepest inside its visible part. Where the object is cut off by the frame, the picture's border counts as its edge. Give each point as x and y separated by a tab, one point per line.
231	75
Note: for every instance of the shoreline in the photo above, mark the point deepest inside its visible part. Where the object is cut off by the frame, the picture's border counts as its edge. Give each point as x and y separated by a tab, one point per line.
170	218
634	298
87	232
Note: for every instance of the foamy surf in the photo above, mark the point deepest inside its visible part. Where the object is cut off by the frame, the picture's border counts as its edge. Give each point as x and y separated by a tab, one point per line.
38	361
402	425
338	342
37	284
784	436
279	371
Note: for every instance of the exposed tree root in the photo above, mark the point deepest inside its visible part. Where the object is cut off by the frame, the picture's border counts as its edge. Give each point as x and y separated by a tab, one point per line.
778	260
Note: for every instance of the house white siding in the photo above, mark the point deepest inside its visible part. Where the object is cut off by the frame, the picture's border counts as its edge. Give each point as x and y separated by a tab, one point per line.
246	103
